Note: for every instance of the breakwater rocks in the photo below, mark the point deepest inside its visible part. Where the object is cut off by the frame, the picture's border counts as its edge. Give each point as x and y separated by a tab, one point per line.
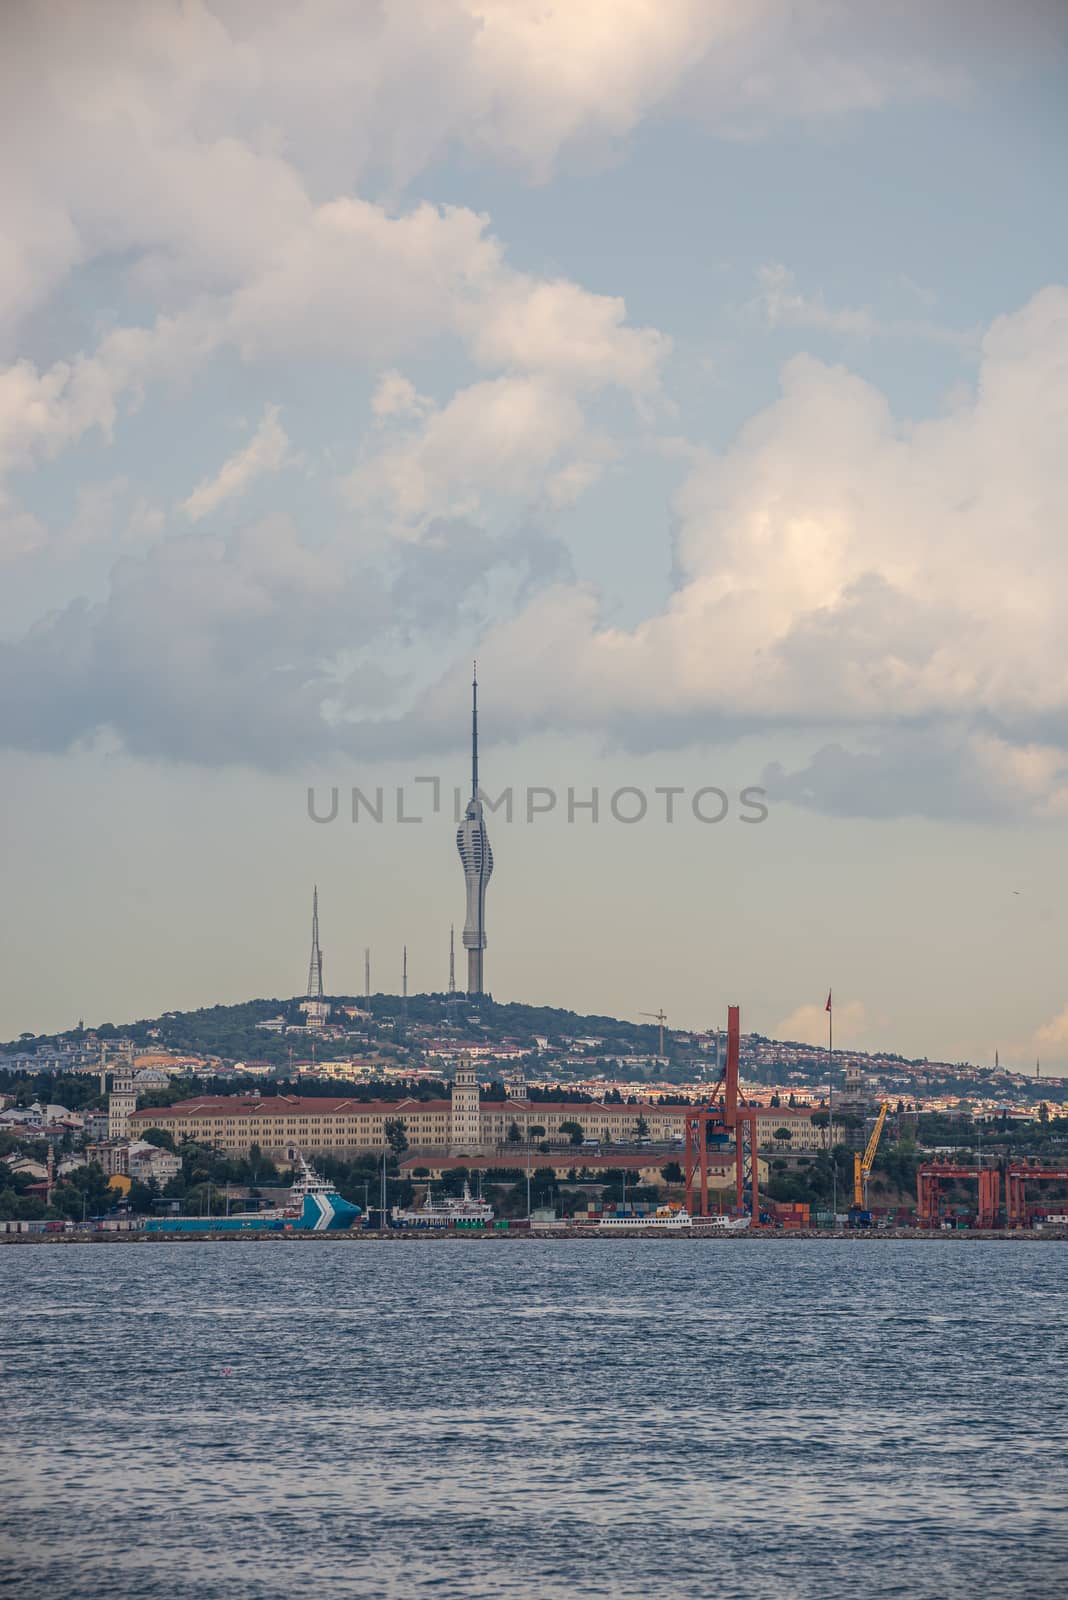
537	1235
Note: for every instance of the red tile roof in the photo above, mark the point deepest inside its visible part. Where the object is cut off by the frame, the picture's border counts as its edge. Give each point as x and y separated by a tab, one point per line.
285	1105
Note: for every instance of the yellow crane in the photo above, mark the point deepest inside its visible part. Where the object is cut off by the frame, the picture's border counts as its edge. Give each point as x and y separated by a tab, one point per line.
862	1165
661	1017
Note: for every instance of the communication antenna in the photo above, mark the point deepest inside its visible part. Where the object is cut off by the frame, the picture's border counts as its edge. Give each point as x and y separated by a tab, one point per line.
315	965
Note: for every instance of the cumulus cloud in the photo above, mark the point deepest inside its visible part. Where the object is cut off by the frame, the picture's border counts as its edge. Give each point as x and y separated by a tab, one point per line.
808	1024
266	451
509	438
838	565
396	396
1051	1039
195	137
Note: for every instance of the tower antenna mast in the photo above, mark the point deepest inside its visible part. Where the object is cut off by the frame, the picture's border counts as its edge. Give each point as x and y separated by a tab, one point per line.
404	988
474	730
315	965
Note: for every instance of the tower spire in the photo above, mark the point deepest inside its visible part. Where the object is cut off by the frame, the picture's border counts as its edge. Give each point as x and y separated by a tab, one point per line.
474	730
367	972
315	965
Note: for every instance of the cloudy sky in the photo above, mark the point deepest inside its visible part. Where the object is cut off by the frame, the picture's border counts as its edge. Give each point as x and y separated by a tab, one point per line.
699	365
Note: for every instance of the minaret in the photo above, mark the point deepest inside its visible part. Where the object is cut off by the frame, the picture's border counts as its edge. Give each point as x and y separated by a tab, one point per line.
315	965
477	858
367	973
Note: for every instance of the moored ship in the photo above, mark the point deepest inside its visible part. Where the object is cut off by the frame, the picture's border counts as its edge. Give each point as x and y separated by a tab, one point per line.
663	1220
314	1206
451	1211
720	1222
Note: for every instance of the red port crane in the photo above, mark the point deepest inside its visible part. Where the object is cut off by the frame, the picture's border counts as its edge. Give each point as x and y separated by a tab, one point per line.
1019	1173
933	1173
722	1119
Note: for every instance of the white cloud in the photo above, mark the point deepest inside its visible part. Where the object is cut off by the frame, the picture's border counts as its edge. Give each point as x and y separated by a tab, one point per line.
21	533
266	451
783	305
396	396
564	331
508	438
840	565
808	1024
196	138
1050	1041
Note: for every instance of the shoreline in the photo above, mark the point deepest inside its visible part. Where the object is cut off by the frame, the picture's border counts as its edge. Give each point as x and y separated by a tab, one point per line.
557	1235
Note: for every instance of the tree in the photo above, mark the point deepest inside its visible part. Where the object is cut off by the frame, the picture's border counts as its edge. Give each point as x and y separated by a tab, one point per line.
141	1196
514	1134
396	1135
573	1131
782	1137
641	1129
536	1131
159	1137
672	1173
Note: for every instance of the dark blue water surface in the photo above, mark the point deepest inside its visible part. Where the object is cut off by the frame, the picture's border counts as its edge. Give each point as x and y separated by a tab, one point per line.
468	1418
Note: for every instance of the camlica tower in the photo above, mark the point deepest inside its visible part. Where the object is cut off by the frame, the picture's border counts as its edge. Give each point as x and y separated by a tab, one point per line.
477	858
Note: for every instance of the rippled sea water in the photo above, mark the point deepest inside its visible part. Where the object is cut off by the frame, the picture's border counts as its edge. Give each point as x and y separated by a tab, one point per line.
466	1418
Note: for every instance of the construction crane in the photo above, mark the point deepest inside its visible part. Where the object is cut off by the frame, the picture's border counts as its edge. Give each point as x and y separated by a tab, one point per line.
862	1165
661	1017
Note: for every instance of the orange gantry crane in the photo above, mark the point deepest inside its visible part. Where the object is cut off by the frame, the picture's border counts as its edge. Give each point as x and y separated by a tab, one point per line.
1019	1173
933	1173
862	1164
721	1121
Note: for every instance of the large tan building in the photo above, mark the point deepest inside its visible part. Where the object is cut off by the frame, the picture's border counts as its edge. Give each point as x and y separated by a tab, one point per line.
464	1124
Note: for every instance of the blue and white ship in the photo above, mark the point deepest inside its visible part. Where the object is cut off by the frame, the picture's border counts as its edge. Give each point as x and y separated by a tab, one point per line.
314	1206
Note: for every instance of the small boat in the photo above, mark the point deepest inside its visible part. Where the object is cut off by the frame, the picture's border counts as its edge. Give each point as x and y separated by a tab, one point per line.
464	1210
